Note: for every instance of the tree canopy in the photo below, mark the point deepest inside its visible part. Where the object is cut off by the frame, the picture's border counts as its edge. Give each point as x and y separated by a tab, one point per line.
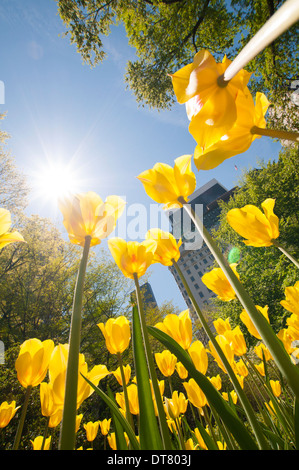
166	34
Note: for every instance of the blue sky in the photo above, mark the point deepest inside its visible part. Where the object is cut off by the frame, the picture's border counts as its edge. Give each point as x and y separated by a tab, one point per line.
59	110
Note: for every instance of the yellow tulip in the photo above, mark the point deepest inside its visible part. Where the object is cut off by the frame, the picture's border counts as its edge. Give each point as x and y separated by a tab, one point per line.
7	412
261	368
287	340
216	381
105	426
168	249
78	421
237	341
195	394
37	443
259	229
117	334
221	326
57	375
133	399
112	441
241	368
181	370
166	362
276	387
209	153
55	419
260	349
7	237
189	444
293	326
226	348
176	405
179	327
248	323
291	302
33	361
127	373
132	257
166	185
233	395
46	399
199	439
198	86
216	281
199	356
161	386
91	429
86	214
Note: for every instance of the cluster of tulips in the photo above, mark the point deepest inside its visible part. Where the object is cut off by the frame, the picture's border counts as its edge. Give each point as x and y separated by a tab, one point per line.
224	121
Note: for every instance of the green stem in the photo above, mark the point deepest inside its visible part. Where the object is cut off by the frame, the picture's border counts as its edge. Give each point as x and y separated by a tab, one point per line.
22	418
45	434
243	399
286	253
276	134
68	427
127	404
152	371
277	350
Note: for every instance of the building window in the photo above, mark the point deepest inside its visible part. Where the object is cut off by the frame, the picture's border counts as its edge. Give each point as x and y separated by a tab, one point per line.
196	286
201	295
192	278
188	271
204	261
196	266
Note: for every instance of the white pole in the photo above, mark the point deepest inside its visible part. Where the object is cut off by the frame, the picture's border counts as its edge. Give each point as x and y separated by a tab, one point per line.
283	19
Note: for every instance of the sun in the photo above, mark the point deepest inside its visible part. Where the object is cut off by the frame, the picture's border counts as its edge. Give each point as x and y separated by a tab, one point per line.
55	181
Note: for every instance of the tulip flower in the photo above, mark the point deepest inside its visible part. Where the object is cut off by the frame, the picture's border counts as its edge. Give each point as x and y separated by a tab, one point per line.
7	237
176	405
276	387
226	348
216	381
209	154
291	302
112	441
216	281
38	442
181	370
166	185
166	362
33	361
179	327
199	439
7	412
57	375
105	426
259	229
117	334
241	368
87	215
127	374
168	249
195	394
237	341
199	356
132	257
133	399
212	102
221	326
249	324
91	429
261	368
262	352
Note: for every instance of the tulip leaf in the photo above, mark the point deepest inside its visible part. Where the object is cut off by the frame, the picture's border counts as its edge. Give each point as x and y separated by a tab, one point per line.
296	423
149	433
121	443
113	407
235	426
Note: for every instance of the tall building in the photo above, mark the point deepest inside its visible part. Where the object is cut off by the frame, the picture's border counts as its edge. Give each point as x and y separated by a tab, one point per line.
196	258
148	296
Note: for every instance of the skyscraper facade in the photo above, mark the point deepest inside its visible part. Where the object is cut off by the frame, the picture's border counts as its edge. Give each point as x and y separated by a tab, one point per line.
196	258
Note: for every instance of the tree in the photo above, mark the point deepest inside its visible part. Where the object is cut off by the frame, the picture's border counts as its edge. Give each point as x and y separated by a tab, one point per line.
13	189
265	272
167	33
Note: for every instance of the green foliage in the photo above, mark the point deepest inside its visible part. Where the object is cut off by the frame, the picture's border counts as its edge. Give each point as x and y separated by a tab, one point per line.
265	272
166	34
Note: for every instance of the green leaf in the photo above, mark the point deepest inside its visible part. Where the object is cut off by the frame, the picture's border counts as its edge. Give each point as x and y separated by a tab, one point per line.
236	427
149	433
296	423
121	442
113	407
